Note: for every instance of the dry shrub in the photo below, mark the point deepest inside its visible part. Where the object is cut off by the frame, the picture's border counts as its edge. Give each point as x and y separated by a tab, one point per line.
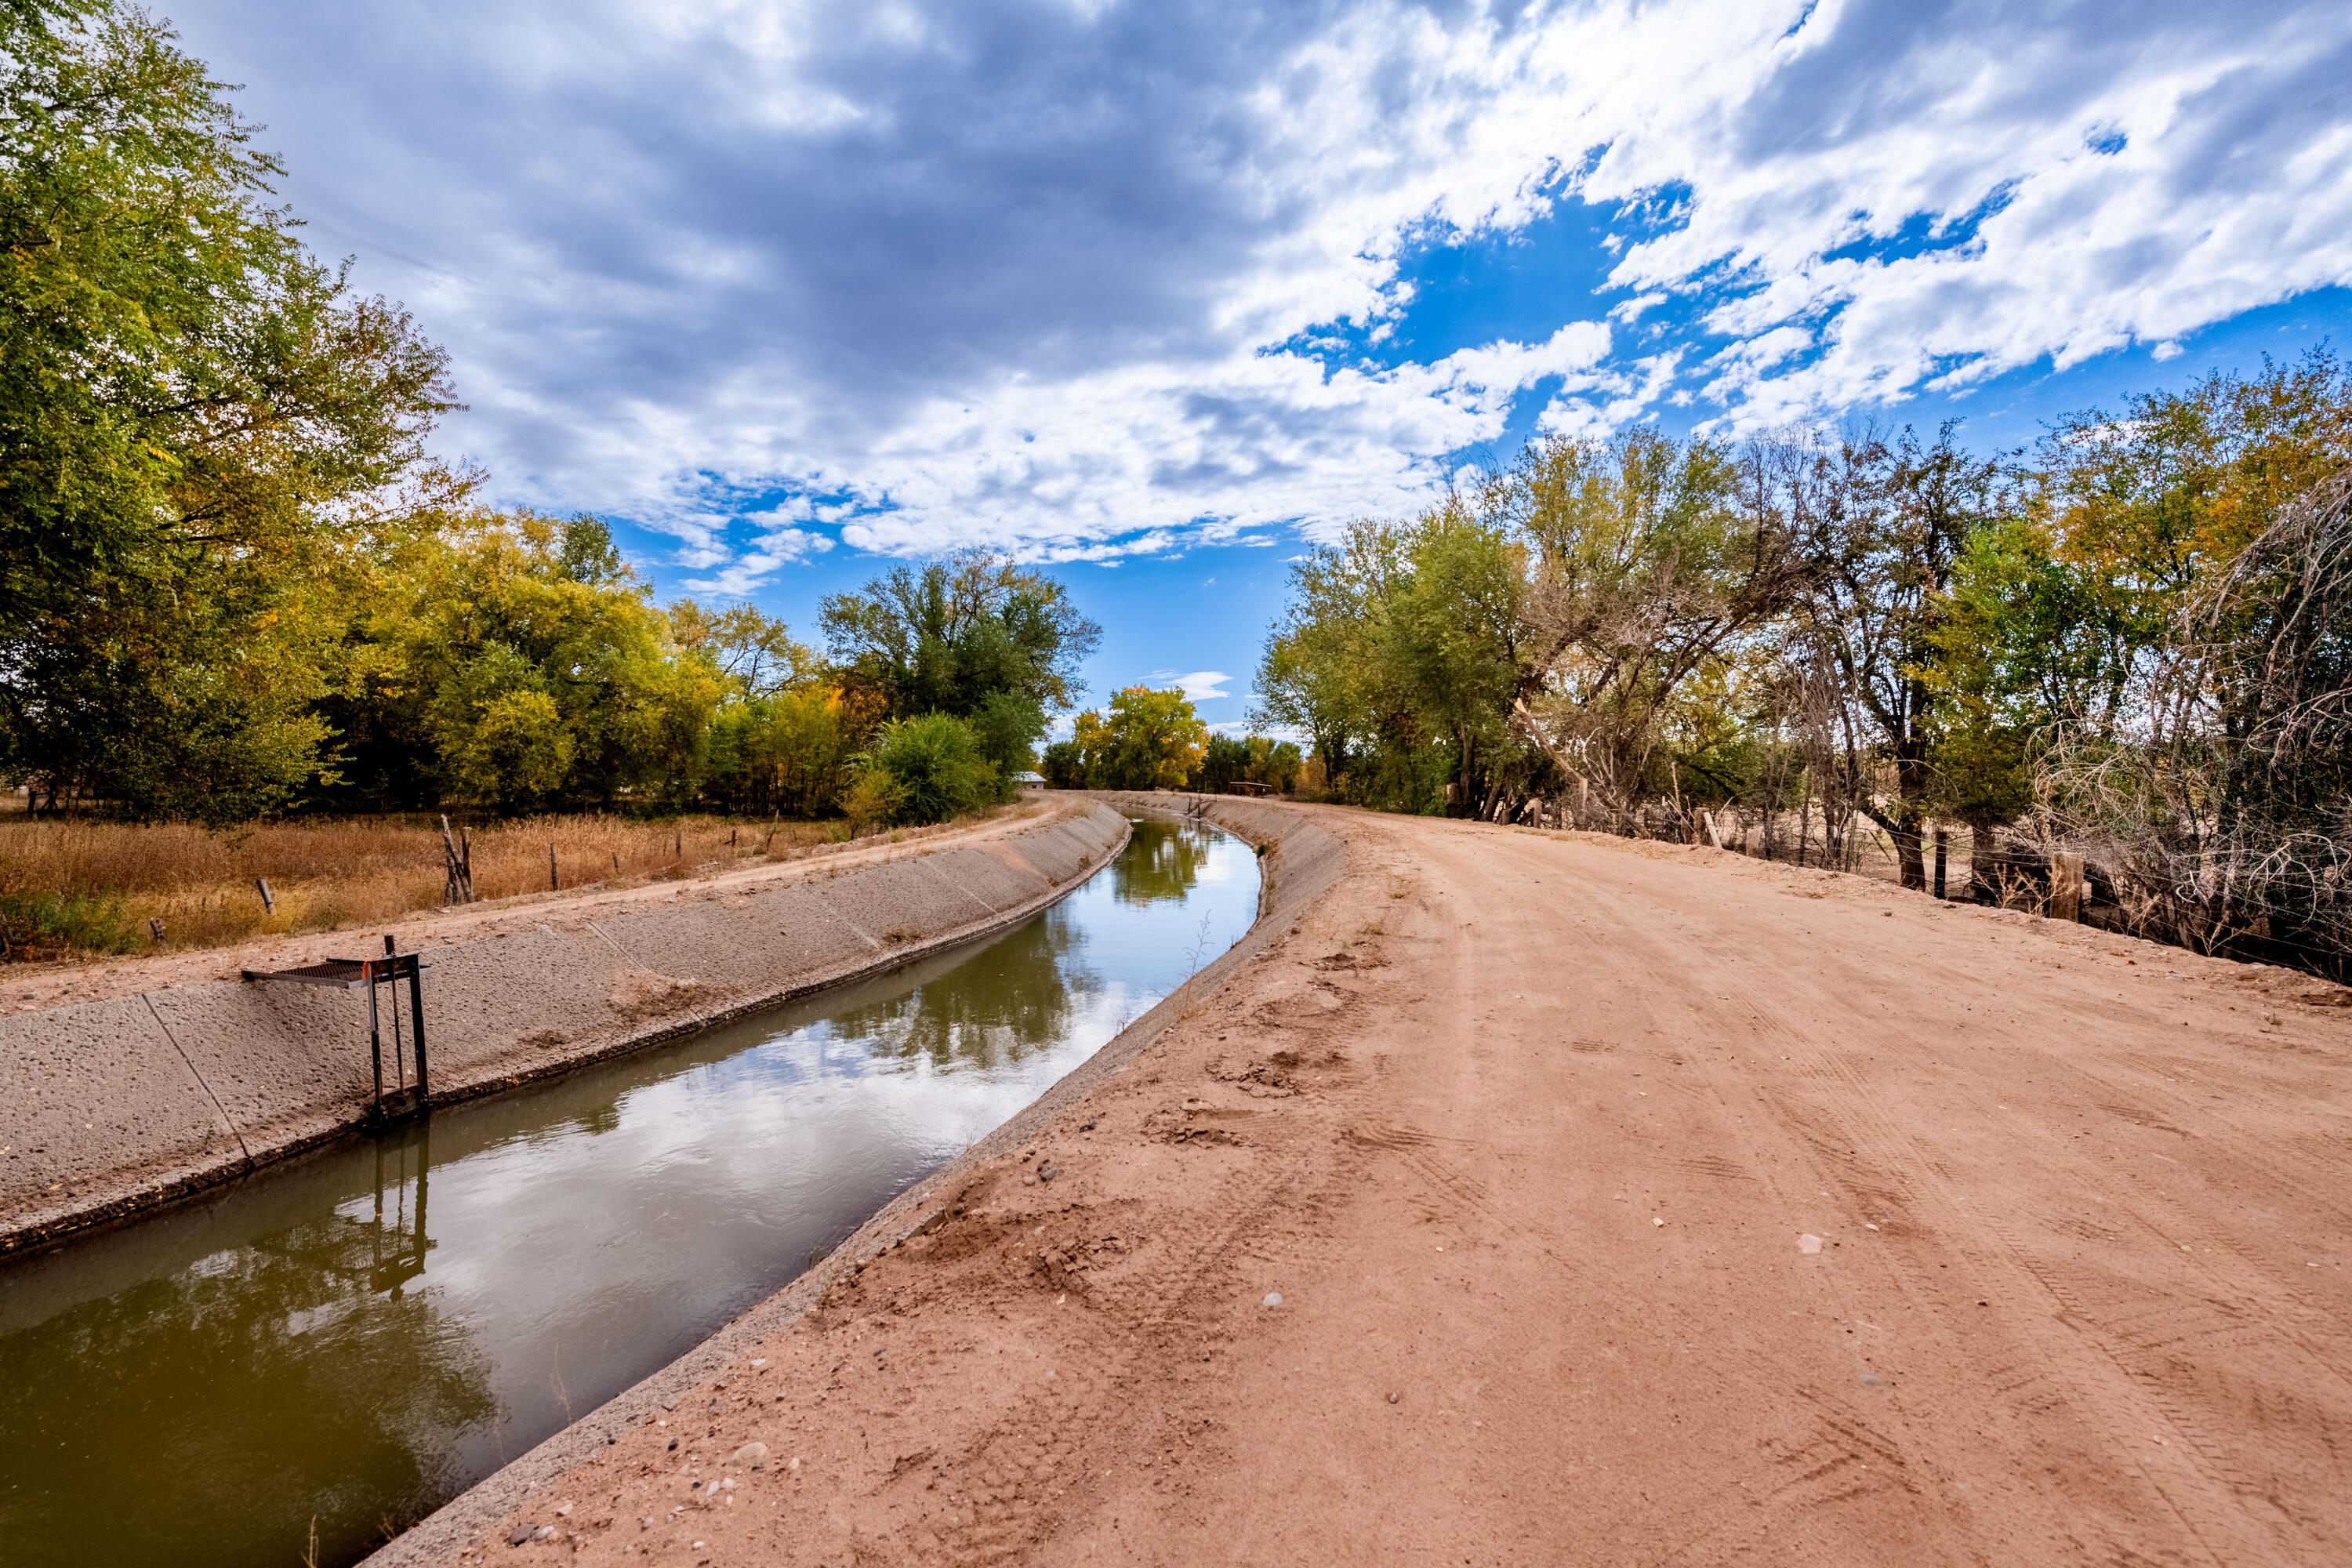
326	876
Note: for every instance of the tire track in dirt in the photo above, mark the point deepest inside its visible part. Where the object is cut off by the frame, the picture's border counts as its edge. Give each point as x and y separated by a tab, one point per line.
2090	1359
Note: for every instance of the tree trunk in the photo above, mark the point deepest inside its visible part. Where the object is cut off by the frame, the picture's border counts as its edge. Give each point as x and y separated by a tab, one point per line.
1910	858
1903	826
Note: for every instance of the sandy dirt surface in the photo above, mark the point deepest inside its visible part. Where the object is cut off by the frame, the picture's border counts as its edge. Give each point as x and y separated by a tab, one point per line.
1542	1199
27	988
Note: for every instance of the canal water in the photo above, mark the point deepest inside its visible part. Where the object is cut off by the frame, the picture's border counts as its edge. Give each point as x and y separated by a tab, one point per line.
347	1342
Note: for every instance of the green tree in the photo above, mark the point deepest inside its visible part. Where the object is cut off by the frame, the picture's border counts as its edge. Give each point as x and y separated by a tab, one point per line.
758	655
1065	765
1649	561
198	426
942	637
528	630
1005	724
1146	740
1273	763
791	753
1222	761
2148	509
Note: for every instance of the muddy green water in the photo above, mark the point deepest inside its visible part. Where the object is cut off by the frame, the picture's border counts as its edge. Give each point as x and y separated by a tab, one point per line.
356	1338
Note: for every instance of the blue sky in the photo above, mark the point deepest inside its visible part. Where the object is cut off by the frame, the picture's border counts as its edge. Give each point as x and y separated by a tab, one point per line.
1157	292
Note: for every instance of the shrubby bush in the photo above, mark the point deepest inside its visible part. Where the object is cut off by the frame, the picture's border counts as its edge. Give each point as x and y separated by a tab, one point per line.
929	768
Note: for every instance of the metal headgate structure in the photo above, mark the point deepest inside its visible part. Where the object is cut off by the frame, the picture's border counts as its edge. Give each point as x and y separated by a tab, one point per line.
405	1098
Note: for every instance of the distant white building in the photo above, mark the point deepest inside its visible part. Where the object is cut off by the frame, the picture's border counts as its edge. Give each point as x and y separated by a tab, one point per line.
1029	780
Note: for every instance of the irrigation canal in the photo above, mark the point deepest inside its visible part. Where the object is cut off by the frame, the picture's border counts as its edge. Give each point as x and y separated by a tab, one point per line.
349	1342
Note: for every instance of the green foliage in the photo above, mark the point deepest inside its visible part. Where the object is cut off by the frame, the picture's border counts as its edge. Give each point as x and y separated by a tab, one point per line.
942	636
1065	765
758	655
1006	725
195	422
1255	759
544	671
973	637
1275	763
1540	625
37	925
872	799
1145	740
789	754
932	769
1222	761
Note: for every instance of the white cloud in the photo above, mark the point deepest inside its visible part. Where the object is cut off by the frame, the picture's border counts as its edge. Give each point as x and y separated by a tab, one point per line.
1200	686
940	273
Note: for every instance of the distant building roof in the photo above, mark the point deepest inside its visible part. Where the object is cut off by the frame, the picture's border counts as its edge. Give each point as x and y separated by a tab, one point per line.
1026	779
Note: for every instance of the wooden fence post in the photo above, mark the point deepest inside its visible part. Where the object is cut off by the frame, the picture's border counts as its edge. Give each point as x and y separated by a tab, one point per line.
460	889
2065	886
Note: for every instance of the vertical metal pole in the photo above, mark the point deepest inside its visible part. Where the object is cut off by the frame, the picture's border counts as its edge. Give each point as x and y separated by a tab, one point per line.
555	882
399	1058
375	1032
416	1011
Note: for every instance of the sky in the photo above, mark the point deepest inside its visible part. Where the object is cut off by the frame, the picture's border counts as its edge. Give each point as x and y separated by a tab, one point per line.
1155	294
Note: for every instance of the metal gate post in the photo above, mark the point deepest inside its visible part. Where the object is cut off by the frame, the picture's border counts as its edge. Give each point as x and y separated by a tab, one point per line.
375	1039
416	1017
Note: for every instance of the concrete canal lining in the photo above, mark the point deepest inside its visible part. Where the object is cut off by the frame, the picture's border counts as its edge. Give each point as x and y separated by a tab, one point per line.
1300	862
114	1107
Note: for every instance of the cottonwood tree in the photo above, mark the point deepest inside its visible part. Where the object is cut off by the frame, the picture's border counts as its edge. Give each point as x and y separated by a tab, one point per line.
1648	558
942	636
1143	740
1879	522
197	424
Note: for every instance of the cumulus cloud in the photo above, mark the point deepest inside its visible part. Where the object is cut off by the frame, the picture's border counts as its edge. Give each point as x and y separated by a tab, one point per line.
1082	279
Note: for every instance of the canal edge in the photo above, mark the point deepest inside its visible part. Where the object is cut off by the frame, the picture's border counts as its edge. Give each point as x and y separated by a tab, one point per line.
1298	862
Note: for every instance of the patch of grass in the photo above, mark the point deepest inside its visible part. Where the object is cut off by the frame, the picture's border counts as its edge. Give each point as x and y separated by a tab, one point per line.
54	925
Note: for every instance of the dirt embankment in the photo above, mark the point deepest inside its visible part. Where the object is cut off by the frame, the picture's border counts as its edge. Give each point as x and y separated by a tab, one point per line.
169	1075
1531	1198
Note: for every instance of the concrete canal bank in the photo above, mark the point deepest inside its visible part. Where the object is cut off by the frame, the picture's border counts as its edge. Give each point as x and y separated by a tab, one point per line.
114	1107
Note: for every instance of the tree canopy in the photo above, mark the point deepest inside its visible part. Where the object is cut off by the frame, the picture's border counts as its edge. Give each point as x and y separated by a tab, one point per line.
2128	638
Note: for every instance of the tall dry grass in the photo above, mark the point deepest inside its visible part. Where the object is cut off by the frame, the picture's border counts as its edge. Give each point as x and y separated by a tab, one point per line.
328	876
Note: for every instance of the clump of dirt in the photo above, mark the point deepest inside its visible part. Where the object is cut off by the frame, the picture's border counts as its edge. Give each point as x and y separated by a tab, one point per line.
1260	1079
1178	1126
1057	1271
640	993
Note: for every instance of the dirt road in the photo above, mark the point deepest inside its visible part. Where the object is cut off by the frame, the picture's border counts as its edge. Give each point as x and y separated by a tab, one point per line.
1622	1205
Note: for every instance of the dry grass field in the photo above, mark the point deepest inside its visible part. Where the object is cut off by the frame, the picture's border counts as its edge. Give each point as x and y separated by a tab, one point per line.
69	889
